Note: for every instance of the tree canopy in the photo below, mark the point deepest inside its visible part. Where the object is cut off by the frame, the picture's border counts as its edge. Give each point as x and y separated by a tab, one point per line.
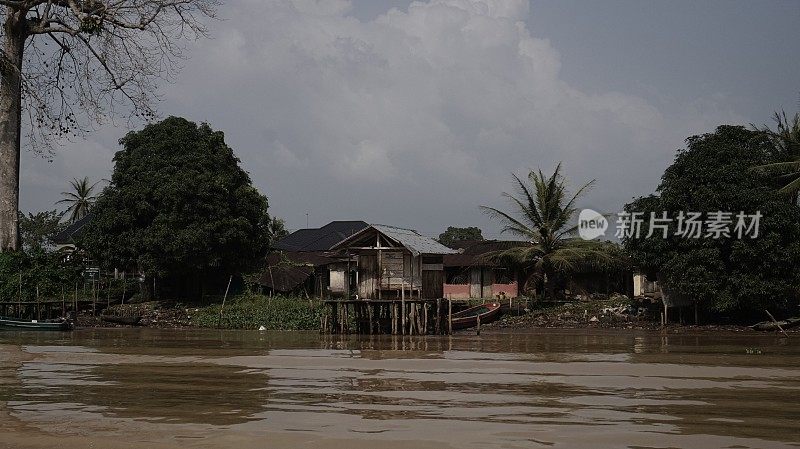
731	275
454	234
178	204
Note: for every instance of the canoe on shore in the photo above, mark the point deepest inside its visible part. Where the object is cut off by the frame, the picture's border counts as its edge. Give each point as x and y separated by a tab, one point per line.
469	318
34	325
773	326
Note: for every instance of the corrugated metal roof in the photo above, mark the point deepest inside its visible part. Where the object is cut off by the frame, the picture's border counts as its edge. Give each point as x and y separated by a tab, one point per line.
413	241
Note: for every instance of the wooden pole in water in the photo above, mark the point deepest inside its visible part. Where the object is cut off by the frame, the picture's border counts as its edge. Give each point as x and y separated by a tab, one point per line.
75	301
38	306
219	321
63	302
124	288
438	316
478	330
776	323
403	317
449	314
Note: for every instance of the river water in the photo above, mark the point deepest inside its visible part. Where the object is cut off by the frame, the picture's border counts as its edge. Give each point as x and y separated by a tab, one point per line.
146	388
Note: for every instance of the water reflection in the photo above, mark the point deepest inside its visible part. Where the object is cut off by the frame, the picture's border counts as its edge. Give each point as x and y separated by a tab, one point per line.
571	388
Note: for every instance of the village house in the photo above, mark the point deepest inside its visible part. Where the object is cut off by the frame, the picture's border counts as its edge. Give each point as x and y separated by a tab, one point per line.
470	273
302	263
393	263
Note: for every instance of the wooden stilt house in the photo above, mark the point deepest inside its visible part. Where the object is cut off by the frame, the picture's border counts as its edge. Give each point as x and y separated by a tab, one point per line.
394	263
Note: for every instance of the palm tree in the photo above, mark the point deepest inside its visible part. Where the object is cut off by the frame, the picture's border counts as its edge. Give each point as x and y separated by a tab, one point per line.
786	141
80	199
543	216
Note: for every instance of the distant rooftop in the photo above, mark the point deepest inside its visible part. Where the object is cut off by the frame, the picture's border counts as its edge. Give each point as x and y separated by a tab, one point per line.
320	239
68	234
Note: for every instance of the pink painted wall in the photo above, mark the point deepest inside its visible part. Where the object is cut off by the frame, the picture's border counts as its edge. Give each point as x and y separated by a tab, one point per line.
456	291
461	291
511	290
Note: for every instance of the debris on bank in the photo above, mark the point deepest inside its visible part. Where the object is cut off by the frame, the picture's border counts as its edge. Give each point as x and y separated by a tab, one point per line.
161	314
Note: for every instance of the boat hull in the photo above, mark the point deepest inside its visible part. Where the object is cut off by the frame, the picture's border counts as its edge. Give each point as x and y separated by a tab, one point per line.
465	319
20	325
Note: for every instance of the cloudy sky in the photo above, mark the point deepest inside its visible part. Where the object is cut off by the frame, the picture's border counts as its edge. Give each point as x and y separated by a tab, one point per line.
415	113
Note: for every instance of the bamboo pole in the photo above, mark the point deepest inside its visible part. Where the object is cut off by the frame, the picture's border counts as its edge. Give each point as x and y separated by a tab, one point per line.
219	321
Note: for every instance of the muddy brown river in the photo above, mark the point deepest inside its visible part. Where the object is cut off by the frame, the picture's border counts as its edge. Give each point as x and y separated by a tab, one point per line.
145	388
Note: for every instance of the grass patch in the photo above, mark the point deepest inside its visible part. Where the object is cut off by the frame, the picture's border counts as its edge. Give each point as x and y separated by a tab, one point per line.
251	311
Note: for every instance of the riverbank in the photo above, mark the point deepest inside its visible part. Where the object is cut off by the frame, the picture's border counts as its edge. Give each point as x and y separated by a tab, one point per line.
240	312
291	314
612	313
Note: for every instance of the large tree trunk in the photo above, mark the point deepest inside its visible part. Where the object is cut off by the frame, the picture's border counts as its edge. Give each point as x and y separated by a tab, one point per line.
10	118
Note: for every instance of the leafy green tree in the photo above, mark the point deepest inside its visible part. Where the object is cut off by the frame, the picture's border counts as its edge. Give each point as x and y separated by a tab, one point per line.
729	275
785	140
179	208
23	272
37	230
80	199
544	214
277	229
454	234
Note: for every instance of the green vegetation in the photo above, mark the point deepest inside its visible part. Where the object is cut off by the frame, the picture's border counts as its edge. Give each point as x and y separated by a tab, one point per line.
737	277
37	230
250	311
22	272
454	234
179	209
544	215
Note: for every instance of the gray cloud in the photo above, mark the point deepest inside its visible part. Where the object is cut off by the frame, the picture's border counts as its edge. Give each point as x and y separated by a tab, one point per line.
412	118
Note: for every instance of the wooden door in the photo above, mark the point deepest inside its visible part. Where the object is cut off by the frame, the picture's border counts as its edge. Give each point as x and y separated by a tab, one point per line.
432	284
367	276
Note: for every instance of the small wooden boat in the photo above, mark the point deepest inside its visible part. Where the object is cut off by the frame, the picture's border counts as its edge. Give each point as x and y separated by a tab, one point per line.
773	326
469	318
126	320
34	325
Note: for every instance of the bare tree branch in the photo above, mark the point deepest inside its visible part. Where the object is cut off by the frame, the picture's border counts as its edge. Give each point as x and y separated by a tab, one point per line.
100	58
